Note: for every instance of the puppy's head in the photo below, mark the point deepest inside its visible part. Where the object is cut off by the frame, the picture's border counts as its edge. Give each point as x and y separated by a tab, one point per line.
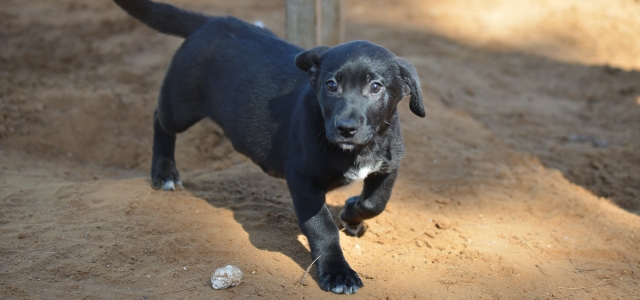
359	85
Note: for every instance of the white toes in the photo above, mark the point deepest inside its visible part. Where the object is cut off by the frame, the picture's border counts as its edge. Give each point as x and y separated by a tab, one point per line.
352	230
338	289
169	185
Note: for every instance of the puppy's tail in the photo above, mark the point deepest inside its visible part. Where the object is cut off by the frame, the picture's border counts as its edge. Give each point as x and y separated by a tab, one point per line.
163	17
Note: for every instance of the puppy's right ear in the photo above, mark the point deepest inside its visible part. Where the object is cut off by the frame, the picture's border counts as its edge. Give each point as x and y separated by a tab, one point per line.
309	59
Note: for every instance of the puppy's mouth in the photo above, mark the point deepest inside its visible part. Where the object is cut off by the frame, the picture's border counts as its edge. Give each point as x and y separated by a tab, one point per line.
347	146
350	144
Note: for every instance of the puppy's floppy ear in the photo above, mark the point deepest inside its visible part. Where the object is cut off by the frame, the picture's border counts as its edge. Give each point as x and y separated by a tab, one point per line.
310	58
411	81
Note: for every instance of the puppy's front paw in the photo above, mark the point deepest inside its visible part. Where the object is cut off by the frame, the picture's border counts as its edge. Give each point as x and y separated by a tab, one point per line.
356	230
352	229
341	280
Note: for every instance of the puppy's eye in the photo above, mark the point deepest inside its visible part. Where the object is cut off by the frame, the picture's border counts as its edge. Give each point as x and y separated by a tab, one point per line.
375	87
332	86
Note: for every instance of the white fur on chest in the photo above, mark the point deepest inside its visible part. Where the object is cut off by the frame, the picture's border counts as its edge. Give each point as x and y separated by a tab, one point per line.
361	171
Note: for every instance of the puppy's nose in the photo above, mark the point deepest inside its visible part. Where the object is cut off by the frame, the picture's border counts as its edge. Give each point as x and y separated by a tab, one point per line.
347	128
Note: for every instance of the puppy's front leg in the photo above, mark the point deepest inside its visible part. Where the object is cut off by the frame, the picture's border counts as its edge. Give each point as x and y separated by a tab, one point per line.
316	223
372	201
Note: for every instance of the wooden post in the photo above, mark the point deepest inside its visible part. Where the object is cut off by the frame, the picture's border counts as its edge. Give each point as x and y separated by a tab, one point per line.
312	23
302	16
331	23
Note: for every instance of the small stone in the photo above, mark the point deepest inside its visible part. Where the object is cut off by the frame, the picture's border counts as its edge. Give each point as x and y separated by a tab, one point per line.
443	201
226	277
442	222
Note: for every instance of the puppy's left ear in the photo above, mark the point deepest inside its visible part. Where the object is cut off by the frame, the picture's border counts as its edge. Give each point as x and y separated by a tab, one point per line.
411	83
310	58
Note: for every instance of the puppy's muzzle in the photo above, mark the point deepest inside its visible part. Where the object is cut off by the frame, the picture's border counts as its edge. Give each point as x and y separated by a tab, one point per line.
347	128
350	134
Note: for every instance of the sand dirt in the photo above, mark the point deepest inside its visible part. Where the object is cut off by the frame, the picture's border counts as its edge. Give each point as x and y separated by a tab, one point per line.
523	181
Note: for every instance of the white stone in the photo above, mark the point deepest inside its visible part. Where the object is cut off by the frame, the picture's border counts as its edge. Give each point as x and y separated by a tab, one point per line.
226	277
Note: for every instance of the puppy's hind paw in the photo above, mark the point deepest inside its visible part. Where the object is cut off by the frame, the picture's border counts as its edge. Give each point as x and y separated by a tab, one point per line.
170	185
164	174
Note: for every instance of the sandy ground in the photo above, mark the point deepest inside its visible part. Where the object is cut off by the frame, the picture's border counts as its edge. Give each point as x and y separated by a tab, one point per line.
523	181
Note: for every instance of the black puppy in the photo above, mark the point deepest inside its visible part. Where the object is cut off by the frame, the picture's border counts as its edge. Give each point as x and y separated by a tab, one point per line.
328	122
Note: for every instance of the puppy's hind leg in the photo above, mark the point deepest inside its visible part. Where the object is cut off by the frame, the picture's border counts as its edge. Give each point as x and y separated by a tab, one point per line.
164	174
372	201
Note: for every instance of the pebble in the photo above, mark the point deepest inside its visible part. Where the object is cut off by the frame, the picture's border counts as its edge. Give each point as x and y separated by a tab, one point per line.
226	277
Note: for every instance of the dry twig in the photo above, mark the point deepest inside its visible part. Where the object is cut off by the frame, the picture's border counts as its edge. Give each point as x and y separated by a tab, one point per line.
158	256
595	285
415	237
581	271
530	248
304	276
